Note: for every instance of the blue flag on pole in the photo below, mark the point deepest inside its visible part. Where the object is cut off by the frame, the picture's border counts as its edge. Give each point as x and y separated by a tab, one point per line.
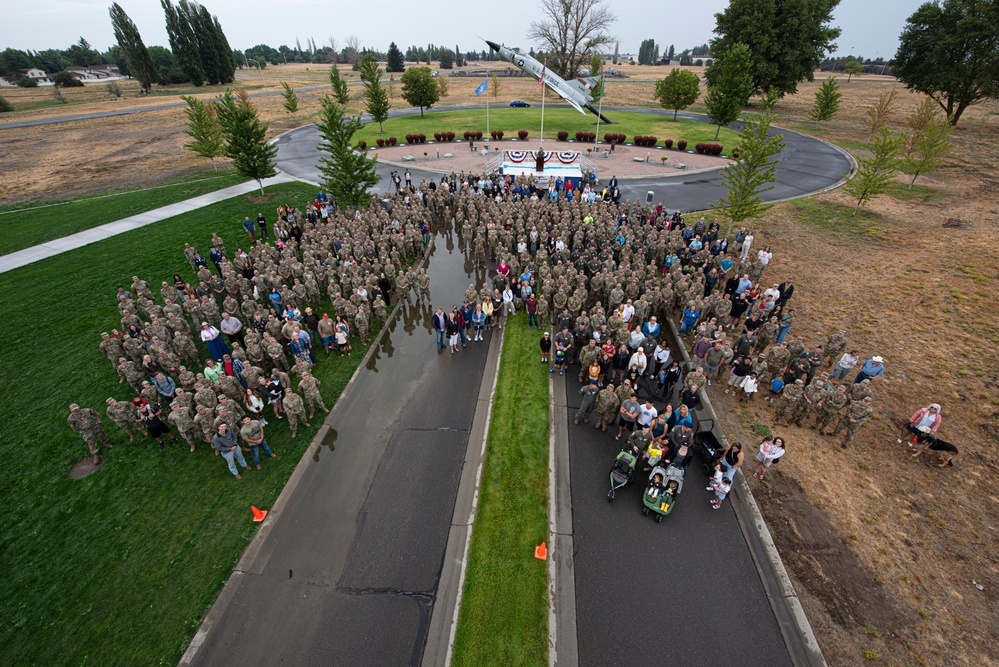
482	87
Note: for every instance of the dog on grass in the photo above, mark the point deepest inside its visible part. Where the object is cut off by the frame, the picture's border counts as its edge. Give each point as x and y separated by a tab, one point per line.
946	452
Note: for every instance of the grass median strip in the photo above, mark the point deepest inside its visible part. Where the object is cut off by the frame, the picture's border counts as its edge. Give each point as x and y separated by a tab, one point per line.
25	228
504	607
117	568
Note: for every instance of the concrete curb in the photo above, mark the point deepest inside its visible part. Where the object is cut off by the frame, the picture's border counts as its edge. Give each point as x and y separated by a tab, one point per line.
255	558
802	646
563	644
450	588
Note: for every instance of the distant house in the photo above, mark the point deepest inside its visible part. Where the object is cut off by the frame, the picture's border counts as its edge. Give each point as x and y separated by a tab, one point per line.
39	76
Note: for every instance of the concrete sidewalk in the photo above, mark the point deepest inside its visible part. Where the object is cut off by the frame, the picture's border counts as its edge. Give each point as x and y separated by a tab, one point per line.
16	260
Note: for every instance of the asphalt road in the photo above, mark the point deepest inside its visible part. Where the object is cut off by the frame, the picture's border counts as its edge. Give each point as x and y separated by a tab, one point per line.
682	592
806	165
349	573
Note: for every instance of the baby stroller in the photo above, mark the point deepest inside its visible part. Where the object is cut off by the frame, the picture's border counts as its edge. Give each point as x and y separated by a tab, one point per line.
622	471
660	495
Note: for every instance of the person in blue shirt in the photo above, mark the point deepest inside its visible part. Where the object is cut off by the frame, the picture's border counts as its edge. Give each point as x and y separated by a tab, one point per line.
250	229
872	368
744	284
651	328
726	264
690	317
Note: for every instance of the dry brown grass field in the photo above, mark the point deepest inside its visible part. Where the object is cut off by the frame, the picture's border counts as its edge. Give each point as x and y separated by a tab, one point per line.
883	548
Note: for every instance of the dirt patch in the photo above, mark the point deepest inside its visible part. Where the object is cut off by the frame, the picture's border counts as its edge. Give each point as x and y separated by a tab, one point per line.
818	554
84	467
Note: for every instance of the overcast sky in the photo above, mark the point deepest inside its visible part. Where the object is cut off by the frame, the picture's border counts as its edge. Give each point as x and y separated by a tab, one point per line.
41	24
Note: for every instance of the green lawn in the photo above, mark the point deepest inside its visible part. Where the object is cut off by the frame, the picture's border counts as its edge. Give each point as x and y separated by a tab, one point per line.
24	228
837	221
504	608
117	568
510	120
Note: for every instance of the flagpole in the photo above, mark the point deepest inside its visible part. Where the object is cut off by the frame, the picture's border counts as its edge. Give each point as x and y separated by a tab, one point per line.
543	86
487	110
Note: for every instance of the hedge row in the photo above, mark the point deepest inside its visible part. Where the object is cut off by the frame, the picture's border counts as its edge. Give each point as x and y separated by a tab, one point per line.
444	136
416	138
709	149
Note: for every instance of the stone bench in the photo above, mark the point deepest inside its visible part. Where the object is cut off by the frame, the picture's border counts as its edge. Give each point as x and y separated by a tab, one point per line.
408	158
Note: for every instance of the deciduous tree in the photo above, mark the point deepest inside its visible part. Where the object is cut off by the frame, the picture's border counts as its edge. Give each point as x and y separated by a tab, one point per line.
346	174
376	101
876	173
572	31
731	88
290	97
419	88
787	39
678	90
826	101
204	129
927	143
753	173
341	94
245	137
879	113
950	51
851	68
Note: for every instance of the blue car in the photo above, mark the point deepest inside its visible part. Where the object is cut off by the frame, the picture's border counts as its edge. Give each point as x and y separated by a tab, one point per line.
519	103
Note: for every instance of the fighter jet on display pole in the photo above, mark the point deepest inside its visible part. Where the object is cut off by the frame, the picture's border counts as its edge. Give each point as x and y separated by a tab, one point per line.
577	92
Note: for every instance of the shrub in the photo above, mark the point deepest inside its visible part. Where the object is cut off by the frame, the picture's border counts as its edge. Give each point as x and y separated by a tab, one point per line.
438	136
717	149
681	145
591	137
699	148
67	80
522	134
409	138
500	133
468	135
391	141
668	143
645	140
5	106
26	82
450	136
735	153
621	138
362	145
562	135
637	139
113	88
380	142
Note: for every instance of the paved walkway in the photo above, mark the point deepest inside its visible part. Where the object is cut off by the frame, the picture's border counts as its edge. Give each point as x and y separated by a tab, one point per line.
54	247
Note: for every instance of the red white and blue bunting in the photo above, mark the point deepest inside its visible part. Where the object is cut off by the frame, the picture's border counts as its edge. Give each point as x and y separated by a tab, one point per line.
565	157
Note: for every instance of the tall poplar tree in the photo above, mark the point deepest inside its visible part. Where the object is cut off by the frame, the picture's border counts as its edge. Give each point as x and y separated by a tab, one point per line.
140	64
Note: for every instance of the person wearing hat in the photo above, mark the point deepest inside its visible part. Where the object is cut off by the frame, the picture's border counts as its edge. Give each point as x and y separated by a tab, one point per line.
86	422
925	420
872	368
854	417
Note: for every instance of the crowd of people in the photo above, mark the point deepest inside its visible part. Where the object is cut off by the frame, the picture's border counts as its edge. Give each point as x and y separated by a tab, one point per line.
305	286
606	277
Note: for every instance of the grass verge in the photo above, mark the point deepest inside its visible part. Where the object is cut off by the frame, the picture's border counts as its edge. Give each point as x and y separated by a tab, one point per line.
504	608
117	568
836	219
46	220
510	120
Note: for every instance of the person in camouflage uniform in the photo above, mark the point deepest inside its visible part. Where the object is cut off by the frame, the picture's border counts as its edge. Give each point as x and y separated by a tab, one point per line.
777	359
294	408
787	403
362	323
129	372
403	285
123	414
86	422
275	352
855	416
608	405
204	423
859	391
181	418
834	347
309	386
112	348
812	397
587	355
423	281
829	407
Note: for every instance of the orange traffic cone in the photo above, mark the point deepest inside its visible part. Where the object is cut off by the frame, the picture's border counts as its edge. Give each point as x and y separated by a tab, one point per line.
258	515
541	551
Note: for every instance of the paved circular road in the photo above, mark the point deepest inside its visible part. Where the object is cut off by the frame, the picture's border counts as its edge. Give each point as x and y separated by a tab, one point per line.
806	166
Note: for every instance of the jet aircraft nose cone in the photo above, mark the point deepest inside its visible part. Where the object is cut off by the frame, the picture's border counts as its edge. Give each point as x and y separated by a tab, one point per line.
493	45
